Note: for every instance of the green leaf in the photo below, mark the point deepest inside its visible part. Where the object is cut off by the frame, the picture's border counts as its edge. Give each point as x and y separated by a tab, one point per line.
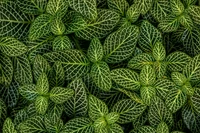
169	24
118	6
195	99
141	120
119	45
146	129
3	111
74	62
100	124
23	73
78	125
12	47
159	52
8	126
52	126
87	8
61	43
187	88
13	23
112	117
57	75
101	76
115	128
189	2
177	61
57	26
194	12
60	95
192	69
128	109
42	86
175	100
133	13
28	91
177	7
147	75
160	68
149	36
97	108
139	61
162	128
40	65
33	125
95	50
178	78
186	21
40	27
54	112
41	104
33	7
143	5
147	93
126	78
101	27
161	9
6	70
158	112
78	104
57	7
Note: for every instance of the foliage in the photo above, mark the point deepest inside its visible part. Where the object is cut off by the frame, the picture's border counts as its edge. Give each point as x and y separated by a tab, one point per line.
99	66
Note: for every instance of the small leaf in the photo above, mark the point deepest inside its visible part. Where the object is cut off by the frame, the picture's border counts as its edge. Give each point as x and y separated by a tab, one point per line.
61	43
57	26
159	52
126	78
40	27
147	75
95	50
162	128
133	13
194	12
177	7
97	108
100	123
118	6
147	93
112	117
42	86
8	126
12	47
119	45
146	129
100	73
60	95
3	111
178	78
115	128
41	104
28	91
186	21
128	109
143	5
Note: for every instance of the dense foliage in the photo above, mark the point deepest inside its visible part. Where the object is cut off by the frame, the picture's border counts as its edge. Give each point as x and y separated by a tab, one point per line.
100	66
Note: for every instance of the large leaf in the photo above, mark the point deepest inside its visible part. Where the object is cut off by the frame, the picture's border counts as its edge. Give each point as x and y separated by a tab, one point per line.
143	5
101	76
147	75
61	43
23	72
126	78
95	50
97	108
118	6
12	22
28	91
102	26
41	104
8	126
175	100
78	104
158	112
12	47
176	61
149	36
177	7
60	95
86	8
75	63
40	27
119	45
42	85
128	109
78	125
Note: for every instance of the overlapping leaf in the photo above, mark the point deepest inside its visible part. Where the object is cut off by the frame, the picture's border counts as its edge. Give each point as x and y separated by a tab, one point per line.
61	43
118	6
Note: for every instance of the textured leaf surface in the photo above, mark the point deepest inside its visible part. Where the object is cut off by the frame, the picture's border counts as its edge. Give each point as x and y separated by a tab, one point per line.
115	128
133	13
159	52
61	43
195	99
57	26
42	85
147	75
41	104
194	13
28	91
112	117
147	93
118	6
143	5
177	7
8	126
162	128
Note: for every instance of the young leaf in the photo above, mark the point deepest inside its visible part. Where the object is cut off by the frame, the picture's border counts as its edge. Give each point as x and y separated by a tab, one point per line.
8	126
61	43
178	78
12	47
147	93
115	128
95	50
128	109
40	27
78	104
57	26
186	21
175	100
119	45
162	128
177	7
74	62
100	123
112	117
100	73
159	52
126	78
143	5
118	6
149	36
60	95
97	108
28	91
41	105
42	86
147	75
